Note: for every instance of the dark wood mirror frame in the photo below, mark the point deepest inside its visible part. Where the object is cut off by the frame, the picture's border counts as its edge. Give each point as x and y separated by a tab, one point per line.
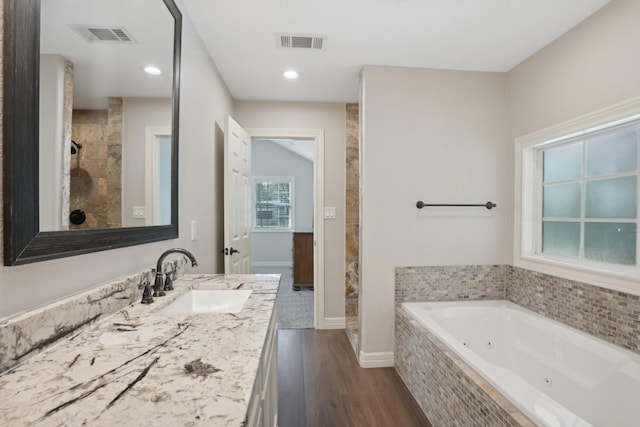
23	241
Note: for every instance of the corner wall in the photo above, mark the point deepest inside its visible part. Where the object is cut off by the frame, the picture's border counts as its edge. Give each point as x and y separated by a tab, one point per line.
448	144
593	66
270	247
138	114
331	118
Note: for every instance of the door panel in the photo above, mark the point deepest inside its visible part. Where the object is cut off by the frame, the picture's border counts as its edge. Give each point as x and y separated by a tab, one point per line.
237	199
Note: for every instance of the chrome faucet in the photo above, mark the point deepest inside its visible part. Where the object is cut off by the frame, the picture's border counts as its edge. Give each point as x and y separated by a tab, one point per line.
160	286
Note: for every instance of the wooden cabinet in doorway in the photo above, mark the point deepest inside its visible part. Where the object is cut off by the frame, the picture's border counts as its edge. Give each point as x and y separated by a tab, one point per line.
302	260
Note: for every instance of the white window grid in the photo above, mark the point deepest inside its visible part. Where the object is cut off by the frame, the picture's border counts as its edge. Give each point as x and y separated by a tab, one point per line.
258	225
583	180
582	136
527	198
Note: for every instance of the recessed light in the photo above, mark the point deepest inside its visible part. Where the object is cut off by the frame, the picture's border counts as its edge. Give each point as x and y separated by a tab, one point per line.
150	69
290	74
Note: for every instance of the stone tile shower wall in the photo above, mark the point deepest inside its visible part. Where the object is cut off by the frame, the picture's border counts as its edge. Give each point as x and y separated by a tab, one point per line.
352	224
96	170
67	136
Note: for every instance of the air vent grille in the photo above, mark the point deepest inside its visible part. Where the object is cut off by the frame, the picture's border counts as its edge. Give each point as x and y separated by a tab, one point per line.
105	34
289	41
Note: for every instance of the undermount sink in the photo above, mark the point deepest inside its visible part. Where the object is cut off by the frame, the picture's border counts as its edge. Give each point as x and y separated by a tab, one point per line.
209	301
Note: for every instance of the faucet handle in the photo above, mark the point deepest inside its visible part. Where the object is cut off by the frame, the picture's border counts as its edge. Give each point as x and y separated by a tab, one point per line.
147	297
168	281
158	286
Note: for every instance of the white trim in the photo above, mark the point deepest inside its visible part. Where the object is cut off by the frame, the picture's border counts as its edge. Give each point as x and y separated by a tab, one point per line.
525	192
151	134
376	360
334	323
318	212
261	264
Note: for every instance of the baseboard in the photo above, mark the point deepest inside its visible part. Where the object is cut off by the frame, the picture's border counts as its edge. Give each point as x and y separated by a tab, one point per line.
333	323
376	360
273	264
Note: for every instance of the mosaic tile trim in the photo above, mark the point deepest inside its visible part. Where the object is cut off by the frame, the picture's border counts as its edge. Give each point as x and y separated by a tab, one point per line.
27	334
449	283
607	314
449	392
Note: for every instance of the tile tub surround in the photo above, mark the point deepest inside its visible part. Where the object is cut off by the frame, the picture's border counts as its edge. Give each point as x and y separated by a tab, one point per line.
449	282
447	389
26	334
141	367
613	316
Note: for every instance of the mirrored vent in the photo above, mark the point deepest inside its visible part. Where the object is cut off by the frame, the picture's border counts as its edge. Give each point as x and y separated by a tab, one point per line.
101	34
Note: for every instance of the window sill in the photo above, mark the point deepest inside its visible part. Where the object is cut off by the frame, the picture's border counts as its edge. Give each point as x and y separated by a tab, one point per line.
614	280
271	230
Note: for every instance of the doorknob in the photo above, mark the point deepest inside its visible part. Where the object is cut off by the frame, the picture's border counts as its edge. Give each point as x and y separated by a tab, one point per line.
233	251
224	251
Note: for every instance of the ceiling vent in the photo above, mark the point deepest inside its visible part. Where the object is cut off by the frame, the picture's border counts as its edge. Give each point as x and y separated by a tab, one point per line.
290	41
104	34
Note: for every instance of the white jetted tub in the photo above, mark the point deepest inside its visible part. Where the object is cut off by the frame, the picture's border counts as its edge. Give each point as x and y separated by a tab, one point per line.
556	375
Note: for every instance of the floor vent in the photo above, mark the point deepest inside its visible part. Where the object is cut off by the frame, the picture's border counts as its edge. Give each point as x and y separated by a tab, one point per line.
98	34
289	41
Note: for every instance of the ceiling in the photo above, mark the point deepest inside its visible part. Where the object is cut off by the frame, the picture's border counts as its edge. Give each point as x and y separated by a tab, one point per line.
105	69
301	147
479	35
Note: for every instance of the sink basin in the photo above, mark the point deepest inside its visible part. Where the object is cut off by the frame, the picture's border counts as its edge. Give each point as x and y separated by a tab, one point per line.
209	301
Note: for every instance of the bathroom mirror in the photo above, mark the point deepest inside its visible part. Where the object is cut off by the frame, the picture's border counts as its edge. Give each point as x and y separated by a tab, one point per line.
36	203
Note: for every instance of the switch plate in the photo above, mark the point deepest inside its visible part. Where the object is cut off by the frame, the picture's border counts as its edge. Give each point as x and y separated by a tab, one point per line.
138	212
329	212
194	230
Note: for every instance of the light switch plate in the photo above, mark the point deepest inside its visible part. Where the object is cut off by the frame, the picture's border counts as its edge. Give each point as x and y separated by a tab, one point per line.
138	212
194	230
329	212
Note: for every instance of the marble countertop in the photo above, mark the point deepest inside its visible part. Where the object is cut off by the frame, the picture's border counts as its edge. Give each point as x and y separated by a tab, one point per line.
144	368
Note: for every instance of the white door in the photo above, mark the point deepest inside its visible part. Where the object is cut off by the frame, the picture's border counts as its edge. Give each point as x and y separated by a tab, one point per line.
237	199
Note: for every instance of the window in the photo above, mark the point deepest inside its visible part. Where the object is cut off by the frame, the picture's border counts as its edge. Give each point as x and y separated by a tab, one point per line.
577	199
273	202
589	204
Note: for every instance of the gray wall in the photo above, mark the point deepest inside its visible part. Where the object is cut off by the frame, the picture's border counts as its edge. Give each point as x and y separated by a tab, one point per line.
591	67
204	101
332	118
439	136
453	141
138	113
269	159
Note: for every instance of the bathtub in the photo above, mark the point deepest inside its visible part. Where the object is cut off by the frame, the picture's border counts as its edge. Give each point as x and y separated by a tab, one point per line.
554	374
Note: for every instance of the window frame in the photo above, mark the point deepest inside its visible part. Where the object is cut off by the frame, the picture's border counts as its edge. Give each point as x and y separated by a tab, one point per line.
254	217
528	202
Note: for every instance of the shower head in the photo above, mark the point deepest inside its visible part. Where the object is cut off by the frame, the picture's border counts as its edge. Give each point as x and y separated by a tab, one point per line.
73	149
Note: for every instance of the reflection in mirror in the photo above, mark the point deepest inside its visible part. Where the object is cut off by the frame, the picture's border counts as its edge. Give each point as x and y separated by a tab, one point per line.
97	107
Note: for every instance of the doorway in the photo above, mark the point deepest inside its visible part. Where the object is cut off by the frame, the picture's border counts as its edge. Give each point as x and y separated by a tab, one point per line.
287	167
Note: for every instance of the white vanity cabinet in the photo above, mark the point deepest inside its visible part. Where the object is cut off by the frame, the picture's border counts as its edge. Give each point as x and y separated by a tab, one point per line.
263	407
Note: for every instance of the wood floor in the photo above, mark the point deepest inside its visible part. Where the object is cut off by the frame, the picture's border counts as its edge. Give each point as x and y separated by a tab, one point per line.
321	384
